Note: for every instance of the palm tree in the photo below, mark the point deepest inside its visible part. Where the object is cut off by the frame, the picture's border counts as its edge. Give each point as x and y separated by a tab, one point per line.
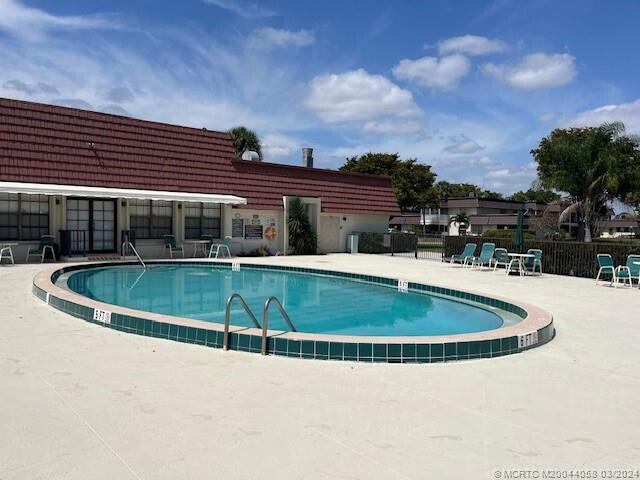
460	218
594	165
245	140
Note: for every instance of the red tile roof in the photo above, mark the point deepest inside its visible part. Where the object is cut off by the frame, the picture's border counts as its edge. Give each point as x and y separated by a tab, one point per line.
51	144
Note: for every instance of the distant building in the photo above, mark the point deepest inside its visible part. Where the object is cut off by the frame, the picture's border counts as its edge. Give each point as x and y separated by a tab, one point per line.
490	214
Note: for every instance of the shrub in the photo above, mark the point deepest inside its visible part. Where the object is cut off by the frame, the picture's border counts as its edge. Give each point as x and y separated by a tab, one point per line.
302	239
262	251
508	234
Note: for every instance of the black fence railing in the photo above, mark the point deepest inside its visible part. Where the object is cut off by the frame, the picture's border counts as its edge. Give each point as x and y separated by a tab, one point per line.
74	242
402	244
560	258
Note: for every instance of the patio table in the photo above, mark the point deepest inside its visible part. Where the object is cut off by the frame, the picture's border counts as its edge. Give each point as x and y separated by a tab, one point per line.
520	257
197	243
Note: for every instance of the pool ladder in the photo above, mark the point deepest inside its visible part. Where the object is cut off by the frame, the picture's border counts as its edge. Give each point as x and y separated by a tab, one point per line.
127	244
252	317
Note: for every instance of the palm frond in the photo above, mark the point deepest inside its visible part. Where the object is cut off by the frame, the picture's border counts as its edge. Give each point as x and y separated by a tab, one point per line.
566	213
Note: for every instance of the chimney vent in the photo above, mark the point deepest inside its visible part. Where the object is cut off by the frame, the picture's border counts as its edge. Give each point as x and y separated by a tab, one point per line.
251	155
307	157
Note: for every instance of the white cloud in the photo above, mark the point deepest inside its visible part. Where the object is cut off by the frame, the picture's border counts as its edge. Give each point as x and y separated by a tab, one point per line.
463	145
499	173
31	23
471	45
628	113
538	70
358	95
268	37
276	145
244	9
394	127
547	116
443	73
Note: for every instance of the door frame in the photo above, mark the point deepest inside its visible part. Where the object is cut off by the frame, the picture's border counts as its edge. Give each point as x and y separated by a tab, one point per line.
91	225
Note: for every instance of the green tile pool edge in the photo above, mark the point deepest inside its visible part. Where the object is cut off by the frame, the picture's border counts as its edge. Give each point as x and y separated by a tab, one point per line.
392	352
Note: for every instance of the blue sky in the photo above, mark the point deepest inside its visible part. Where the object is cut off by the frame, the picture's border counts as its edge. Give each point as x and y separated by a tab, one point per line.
467	87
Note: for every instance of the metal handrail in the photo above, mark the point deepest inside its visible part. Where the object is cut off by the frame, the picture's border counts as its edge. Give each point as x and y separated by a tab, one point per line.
265	320
227	317
130	245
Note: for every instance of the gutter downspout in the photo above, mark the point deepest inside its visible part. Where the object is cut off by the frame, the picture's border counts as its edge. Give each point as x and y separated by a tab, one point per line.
285	225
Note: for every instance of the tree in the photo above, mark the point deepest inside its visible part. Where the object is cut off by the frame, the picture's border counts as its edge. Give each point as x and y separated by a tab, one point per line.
539	195
451	190
245	140
412	182
633	199
460	218
593	165
302	239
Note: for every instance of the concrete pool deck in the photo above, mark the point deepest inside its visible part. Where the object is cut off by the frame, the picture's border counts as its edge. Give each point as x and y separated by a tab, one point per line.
82	401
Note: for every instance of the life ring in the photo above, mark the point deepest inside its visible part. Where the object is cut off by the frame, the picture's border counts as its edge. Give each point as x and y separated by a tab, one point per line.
270	233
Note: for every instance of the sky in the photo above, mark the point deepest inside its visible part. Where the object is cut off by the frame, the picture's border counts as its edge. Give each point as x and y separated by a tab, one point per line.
468	87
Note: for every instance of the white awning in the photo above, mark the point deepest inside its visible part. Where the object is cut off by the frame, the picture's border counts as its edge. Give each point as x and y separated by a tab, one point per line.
79	191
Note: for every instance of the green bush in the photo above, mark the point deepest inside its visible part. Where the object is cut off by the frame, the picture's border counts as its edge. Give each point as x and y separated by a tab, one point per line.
262	251
302	239
508	234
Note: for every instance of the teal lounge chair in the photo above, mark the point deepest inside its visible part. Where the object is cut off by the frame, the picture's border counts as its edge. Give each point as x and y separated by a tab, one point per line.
469	250
535	262
221	247
607	267
171	245
501	258
47	243
633	264
485	257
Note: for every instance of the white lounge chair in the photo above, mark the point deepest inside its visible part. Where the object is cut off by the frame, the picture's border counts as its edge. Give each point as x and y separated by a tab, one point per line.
221	247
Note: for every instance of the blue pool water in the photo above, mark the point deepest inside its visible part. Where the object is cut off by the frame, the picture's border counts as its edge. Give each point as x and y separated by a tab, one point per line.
315	303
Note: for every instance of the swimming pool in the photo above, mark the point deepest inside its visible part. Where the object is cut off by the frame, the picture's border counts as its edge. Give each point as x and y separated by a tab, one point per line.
314	303
336	315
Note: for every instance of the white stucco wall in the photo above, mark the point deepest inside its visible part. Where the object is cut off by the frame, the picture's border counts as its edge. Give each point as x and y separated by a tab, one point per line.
351	223
267	218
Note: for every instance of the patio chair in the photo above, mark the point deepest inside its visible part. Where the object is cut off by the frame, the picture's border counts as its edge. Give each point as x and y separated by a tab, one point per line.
171	245
535	262
46	244
8	250
633	264
501	258
485	257
221	247
605	262
468	252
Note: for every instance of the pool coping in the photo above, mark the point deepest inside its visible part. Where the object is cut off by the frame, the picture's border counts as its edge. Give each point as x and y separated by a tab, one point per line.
534	330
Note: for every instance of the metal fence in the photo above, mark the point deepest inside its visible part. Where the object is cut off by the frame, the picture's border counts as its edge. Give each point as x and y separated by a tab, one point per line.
402	244
560	258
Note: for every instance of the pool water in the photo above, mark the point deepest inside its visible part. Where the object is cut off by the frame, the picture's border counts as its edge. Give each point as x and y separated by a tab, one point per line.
315	303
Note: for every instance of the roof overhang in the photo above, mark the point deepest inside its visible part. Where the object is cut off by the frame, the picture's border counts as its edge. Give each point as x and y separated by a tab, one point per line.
104	192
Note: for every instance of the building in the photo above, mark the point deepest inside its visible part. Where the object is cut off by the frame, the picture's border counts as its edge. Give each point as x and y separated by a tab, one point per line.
87	178
484	215
498	214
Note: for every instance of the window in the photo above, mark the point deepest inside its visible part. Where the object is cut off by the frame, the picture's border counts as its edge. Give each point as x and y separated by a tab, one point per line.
151	219
201	219
23	217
